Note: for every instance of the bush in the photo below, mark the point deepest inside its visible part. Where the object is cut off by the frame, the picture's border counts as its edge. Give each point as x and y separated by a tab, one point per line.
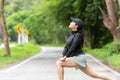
113	48
109	53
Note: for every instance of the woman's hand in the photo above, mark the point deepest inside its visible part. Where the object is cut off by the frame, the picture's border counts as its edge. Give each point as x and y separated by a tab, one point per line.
63	58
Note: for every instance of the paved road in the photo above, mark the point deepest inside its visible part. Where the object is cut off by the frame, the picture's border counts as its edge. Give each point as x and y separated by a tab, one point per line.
42	67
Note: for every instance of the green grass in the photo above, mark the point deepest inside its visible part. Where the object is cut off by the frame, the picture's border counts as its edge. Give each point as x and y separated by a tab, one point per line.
18	52
105	54
115	60
96	52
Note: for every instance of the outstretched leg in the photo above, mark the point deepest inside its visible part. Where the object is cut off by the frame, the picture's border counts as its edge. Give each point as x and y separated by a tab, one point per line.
89	71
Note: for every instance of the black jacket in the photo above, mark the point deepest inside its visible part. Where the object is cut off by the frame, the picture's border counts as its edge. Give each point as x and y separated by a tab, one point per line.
73	45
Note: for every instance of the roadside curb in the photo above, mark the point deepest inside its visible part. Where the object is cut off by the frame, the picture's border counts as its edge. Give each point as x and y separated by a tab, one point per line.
103	65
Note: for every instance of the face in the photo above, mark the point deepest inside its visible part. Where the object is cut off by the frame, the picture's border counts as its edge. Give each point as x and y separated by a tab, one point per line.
73	26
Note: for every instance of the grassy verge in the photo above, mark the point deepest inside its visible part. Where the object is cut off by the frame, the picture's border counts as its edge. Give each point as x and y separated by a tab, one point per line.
112	58
18	52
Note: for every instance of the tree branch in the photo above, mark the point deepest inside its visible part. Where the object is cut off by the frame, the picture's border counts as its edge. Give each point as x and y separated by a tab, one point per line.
102	11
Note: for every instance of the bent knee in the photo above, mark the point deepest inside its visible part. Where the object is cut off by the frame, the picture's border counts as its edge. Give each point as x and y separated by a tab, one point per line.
58	63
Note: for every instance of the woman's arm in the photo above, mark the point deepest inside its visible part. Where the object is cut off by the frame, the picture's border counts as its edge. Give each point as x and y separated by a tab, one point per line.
64	51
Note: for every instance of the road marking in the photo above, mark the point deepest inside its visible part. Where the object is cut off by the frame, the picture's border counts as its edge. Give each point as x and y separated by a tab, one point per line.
23	62
106	67
43	50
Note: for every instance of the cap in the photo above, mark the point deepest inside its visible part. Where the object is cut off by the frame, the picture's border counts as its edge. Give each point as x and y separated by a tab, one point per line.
78	22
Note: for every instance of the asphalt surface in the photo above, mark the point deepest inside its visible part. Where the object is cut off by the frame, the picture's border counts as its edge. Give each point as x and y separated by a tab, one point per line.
43	67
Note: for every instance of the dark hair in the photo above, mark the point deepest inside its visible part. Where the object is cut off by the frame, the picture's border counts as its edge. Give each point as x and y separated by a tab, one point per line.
78	22
82	34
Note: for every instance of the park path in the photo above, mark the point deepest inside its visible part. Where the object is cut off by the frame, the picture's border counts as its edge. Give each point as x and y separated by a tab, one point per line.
42	67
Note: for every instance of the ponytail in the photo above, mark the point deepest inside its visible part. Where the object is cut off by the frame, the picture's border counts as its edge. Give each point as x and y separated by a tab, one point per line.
81	32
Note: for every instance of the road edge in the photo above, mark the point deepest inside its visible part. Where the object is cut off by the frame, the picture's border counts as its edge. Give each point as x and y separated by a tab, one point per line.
103	65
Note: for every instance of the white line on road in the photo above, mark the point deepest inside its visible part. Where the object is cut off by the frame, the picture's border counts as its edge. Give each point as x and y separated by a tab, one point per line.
106	67
23	62
43	50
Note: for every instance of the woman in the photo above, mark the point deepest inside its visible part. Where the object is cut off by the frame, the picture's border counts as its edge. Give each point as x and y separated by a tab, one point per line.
73	56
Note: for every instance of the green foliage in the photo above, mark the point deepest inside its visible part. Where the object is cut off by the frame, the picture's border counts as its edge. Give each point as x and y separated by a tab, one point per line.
110	53
119	16
94	27
115	60
18	52
106	51
13	21
44	24
13	6
47	20
97	52
113	48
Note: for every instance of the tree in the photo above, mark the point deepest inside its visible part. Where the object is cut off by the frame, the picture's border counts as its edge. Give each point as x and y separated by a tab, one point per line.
13	20
3	25
111	21
119	2
51	18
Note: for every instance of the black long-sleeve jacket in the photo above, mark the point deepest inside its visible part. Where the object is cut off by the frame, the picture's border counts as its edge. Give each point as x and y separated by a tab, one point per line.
73	45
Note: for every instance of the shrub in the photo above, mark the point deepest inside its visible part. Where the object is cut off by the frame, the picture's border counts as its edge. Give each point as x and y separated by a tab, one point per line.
113	48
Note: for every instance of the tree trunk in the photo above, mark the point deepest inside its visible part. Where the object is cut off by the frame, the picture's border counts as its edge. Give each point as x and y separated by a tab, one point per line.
56	39
111	21
112	12
90	37
3	25
119	3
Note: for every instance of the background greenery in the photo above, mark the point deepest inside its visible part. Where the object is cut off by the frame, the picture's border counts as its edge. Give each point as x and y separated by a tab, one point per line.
48	20
109	54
